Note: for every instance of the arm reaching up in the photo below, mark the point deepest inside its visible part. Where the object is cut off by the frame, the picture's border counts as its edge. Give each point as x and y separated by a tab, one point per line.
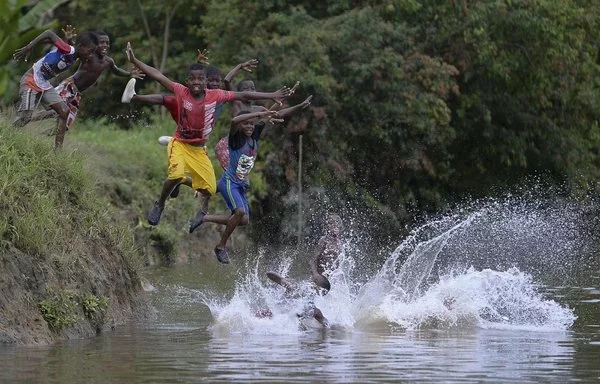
247	66
152	72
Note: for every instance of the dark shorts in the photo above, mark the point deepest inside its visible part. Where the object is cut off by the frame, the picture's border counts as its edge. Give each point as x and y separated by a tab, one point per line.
234	195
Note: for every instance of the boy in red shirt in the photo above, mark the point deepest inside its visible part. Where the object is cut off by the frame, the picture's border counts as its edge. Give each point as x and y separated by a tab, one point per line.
194	112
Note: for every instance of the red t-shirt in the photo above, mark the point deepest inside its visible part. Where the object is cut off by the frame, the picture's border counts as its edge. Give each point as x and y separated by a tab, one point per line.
195	119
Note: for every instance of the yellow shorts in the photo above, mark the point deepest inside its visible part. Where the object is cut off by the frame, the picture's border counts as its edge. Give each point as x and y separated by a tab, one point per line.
186	159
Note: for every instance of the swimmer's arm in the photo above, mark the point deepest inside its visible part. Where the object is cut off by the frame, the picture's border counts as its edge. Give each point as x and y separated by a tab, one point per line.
314	259
152	72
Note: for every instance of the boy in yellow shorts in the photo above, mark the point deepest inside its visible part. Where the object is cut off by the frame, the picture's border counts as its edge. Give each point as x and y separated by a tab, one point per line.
193	110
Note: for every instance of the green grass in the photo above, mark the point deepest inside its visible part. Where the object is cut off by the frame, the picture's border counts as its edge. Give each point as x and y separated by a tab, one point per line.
50	206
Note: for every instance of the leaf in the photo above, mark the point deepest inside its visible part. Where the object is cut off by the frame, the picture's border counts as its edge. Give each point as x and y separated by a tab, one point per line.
35	16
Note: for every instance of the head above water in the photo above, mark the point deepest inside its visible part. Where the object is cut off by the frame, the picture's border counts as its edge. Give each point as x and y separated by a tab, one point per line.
334	224
213	77
103	43
85	44
196	79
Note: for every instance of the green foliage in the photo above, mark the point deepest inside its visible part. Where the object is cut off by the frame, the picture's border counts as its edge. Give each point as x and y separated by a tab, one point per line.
49	205
18	29
94	306
417	103
60	310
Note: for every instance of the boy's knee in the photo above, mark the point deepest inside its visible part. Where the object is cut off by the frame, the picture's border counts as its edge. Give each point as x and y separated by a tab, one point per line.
62	109
239	212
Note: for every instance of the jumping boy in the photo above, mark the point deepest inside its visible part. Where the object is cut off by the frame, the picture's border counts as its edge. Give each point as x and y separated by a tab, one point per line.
194	114
85	76
244	135
35	83
325	256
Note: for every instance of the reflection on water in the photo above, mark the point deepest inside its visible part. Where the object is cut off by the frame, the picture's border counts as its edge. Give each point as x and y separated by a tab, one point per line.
181	345
426	315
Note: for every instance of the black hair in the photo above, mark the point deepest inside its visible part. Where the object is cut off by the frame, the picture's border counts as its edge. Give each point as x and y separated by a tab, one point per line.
212	70
86	39
197	67
243	80
99	32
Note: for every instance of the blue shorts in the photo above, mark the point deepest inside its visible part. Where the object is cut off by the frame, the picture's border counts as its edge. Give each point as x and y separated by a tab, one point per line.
234	195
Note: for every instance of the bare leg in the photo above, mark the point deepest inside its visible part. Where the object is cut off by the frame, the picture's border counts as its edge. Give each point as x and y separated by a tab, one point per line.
168	186
63	112
204	196
159	205
232	223
155	99
219	219
44	115
22	119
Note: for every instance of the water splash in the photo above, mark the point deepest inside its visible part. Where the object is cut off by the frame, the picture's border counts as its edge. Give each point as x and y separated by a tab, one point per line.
472	268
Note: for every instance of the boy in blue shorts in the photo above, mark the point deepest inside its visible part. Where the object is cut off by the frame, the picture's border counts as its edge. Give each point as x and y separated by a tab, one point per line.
244	134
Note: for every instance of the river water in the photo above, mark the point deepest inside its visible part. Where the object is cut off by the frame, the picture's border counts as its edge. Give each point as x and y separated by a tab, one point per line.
505	293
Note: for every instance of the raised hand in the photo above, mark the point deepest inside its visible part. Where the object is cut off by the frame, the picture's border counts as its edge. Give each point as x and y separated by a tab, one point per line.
294	87
306	102
281	94
137	73
249	65
22	53
203	57
129	52
270	117
69	32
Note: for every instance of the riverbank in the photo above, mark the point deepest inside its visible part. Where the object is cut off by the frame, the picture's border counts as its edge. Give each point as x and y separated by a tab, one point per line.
74	243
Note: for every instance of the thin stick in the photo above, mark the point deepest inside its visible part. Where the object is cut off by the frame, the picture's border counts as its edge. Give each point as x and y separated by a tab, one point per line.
300	193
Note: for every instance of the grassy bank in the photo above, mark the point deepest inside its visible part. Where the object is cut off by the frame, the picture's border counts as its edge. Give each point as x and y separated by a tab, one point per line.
69	267
129	167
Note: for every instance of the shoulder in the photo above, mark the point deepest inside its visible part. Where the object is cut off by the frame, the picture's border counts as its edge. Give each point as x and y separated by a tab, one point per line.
180	89
170	101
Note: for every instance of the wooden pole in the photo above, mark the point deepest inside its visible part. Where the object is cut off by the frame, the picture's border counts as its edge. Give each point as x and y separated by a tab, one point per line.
300	192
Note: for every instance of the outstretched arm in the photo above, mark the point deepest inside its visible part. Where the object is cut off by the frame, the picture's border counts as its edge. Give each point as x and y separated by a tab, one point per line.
247	66
47	36
135	72
267	116
152	72
283	113
276	96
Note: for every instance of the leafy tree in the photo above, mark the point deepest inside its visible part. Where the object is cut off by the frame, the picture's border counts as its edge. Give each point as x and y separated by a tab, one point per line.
22	21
